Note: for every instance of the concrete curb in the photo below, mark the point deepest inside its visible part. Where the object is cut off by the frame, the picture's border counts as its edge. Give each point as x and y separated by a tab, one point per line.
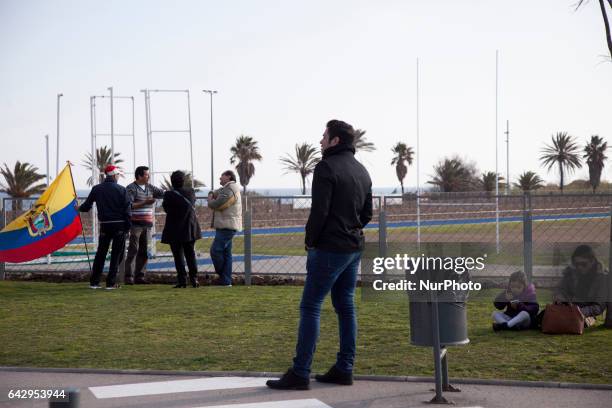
470	381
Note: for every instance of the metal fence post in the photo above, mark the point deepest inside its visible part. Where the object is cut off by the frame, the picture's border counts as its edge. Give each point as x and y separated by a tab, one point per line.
248	250
527	237
2	224
608	322
382	228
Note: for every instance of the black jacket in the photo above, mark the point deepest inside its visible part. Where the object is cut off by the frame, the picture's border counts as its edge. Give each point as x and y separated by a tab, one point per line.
341	202
181	220
112	202
587	291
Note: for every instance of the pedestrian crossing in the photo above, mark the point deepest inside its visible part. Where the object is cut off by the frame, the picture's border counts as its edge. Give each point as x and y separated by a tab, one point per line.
178	386
302	403
205	384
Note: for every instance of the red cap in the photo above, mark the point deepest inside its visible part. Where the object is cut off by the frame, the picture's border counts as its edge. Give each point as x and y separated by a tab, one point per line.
111	170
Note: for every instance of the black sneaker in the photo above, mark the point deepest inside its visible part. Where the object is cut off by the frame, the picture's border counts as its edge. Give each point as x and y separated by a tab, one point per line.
500	326
335	376
289	381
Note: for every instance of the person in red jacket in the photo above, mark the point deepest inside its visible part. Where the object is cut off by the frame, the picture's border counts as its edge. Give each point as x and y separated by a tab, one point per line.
520	304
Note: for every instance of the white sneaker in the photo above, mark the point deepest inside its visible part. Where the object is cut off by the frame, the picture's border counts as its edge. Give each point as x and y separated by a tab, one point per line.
112	287
95	287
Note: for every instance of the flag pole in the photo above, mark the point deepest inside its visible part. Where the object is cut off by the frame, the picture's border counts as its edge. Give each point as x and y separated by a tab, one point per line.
82	231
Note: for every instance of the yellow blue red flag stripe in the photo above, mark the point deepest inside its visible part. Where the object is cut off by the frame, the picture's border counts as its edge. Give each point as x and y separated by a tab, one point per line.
52	222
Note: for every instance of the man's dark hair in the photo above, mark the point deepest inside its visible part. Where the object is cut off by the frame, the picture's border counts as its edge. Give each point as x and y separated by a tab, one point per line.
139	172
229	173
177	179
584	251
341	130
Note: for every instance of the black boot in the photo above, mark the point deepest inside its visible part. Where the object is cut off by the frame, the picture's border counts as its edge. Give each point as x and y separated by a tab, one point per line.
500	326
289	381
179	286
335	376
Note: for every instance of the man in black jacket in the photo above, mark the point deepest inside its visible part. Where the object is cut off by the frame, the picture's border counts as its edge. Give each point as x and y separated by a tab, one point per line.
113	205
341	208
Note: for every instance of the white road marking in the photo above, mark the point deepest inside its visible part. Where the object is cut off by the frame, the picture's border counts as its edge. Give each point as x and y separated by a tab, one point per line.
171	387
303	403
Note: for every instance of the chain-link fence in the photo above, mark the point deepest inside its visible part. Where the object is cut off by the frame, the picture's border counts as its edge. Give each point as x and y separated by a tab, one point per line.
535	233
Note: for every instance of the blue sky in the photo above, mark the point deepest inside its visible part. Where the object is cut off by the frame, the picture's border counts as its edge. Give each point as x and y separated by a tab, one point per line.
283	68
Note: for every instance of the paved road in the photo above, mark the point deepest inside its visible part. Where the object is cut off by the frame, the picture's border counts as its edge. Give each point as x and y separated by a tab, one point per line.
153	391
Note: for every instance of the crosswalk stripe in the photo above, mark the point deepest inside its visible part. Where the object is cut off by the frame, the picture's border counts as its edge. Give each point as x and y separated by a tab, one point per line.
303	403
171	387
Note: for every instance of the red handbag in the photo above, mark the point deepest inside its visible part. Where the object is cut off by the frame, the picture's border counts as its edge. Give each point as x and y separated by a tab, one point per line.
562	318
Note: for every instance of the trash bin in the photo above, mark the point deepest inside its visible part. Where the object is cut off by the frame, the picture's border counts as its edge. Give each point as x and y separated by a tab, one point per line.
453	324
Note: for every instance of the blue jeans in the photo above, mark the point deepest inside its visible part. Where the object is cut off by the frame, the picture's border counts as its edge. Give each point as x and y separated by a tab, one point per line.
335	272
221	254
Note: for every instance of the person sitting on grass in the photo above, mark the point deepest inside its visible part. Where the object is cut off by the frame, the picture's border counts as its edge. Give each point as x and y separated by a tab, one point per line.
519	300
584	284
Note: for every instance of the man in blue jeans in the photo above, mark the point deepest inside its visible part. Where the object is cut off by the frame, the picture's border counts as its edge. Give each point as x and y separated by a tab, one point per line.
226	204
341	208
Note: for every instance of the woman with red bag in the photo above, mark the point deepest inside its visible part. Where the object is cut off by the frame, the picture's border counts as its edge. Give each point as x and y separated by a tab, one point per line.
584	283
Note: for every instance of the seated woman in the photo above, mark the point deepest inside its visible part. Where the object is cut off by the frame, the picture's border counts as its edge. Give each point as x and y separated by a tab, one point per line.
519	300
181	229
584	283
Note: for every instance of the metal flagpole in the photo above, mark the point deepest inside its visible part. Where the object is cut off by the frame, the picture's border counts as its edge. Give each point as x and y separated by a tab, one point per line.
418	160
80	219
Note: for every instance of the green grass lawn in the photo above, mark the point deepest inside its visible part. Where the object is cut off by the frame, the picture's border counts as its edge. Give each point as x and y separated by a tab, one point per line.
254	328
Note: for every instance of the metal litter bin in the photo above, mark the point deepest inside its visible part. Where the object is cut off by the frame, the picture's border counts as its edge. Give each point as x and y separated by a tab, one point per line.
452	319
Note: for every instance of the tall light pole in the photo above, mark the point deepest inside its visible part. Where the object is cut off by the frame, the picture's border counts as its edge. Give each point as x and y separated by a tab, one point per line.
507	157
212	155
496	158
112	127
57	134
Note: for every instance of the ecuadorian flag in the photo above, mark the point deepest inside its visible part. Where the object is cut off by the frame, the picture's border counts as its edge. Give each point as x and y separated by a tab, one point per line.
53	222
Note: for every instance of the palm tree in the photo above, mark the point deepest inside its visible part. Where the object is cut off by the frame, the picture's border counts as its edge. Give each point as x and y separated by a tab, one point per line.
604	15
360	143
454	175
564	153
402	154
103	159
21	182
594	153
304	162
197	184
244	152
487	181
529	181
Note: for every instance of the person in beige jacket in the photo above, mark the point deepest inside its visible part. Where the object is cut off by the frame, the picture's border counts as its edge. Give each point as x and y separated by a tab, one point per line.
226	204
